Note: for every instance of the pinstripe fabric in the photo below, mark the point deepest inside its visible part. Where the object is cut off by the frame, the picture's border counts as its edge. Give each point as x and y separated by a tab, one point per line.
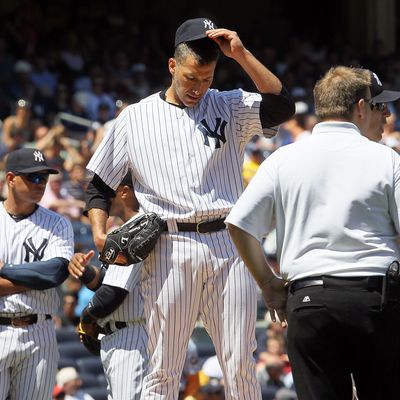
186	164
175	174
124	352
29	356
124	358
28	361
42	225
125	278
196	274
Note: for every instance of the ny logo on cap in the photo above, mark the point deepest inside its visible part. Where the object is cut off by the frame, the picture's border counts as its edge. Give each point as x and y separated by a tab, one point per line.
38	156
208	24
377	79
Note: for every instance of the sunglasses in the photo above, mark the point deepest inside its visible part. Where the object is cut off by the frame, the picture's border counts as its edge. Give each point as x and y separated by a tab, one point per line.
375	106
378	106
37	178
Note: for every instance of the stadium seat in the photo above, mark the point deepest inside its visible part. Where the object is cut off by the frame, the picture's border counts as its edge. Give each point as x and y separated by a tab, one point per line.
90	365
66	362
73	350
205	346
67	334
97	392
89	380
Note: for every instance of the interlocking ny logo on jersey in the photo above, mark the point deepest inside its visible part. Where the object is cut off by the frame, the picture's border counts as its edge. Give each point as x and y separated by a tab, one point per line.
208	132
38	156
36	252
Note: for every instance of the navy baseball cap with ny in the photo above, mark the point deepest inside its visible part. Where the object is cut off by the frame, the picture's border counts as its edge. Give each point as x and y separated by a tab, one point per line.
378	95
27	161
193	29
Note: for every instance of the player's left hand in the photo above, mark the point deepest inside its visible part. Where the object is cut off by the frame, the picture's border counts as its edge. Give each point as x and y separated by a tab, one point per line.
228	41
275	297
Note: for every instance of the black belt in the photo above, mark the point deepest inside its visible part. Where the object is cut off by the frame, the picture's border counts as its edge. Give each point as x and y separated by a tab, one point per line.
371	283
21	321
118	325
201	227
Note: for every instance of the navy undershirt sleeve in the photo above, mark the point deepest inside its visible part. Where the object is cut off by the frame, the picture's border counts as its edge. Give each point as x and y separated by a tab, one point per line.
38	275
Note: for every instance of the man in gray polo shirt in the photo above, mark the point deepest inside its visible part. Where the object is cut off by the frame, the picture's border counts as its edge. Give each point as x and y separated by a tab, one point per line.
334	198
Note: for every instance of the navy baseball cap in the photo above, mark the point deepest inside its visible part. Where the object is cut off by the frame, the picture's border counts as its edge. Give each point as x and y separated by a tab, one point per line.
378	94
27	161
193	29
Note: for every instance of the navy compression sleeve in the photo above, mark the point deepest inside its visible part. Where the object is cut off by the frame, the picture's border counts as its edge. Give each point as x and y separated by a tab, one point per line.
38	275
275	109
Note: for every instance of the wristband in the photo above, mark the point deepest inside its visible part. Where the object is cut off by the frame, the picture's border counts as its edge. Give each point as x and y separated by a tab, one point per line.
88	275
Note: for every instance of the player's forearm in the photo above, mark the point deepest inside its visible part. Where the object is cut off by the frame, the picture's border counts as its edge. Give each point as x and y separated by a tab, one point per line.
7	287
251	252
38	275
98	220
263	78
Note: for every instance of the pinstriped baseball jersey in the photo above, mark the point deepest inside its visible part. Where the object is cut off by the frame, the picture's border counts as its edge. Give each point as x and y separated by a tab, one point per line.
39	237
131	309
195	154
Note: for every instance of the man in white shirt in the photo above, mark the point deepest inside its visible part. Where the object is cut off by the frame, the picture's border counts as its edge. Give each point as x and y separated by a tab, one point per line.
334	198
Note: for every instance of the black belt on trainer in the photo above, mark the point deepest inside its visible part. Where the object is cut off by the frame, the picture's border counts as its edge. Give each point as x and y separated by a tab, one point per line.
201	227
371	283
118	325
21	321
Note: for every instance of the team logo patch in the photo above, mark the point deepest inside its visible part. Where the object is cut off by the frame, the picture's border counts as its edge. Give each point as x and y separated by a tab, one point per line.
208	24
218	133
38	156
30	249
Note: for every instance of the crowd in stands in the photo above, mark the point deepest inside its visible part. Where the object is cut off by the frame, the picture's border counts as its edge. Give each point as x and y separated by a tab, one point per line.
65	73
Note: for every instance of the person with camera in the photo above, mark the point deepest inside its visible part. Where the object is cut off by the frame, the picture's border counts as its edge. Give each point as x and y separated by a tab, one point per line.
334	198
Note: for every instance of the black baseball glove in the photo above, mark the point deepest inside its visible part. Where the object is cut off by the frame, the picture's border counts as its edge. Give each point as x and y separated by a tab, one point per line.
88	336
133	241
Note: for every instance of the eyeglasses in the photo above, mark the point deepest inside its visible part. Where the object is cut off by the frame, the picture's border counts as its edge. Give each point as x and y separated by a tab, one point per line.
37	178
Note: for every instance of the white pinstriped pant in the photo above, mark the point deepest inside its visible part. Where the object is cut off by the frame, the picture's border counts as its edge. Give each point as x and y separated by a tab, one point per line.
28	361
190	275
124	358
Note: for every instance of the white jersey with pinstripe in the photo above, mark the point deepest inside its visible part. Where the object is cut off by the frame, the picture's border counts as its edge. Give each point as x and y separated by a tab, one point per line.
186	165
29	355
124	352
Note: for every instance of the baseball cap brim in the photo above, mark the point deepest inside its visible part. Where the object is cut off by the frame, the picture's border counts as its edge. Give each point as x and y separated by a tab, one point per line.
37	169
386	96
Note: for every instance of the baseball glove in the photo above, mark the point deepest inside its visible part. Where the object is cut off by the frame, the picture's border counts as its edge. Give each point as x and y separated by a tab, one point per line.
133	241
90	340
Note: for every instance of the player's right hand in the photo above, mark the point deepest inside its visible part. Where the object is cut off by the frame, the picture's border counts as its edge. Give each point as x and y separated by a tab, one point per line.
275	297
76	266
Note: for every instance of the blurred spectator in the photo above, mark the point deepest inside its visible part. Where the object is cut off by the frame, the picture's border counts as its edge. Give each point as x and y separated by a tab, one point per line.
68	385
190	383
63	203
97	96
21	86
75	185
68	317
285	394
17	127
297	125
255	157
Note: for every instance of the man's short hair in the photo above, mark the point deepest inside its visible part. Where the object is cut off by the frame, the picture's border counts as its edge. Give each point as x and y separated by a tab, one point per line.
336	93
205	51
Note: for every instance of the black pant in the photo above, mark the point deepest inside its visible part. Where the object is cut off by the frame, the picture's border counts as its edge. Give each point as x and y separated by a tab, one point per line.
335	331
